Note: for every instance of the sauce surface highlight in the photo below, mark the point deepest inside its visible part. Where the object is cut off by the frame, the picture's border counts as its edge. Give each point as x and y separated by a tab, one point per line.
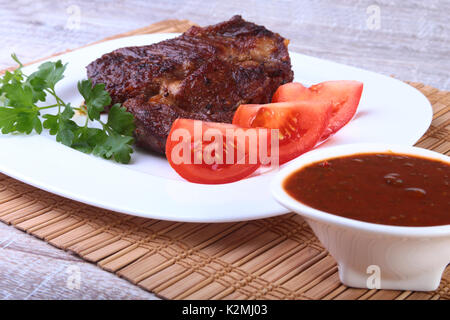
383	188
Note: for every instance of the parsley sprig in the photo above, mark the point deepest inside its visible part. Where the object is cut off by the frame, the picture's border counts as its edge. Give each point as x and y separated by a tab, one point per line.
20	113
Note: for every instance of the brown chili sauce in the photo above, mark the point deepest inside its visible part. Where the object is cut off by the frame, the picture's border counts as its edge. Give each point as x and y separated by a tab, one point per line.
383	188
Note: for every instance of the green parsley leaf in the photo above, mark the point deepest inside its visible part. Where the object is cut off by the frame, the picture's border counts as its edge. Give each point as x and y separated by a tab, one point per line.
52	123
87	138
117	147
50	73
18	95
21	120
66	132
61	126
7	77
95	97
8	118
38	86
68	112
120	120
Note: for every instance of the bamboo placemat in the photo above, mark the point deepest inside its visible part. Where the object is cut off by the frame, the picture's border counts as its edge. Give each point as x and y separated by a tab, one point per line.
275	258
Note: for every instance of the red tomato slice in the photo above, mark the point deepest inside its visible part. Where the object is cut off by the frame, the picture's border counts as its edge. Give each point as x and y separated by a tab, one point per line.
343	94
213	153
289	92
300	124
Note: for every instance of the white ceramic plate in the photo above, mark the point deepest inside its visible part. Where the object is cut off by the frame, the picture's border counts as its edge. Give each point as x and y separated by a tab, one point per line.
390	112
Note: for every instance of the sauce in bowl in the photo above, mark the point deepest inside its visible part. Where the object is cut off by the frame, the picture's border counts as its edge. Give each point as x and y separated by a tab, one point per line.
383	188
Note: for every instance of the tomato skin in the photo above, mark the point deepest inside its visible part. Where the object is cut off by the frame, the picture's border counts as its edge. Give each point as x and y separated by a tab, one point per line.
301	124
343	94
289	92
202	172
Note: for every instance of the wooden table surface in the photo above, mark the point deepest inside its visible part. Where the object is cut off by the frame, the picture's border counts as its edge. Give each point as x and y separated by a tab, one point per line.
409	40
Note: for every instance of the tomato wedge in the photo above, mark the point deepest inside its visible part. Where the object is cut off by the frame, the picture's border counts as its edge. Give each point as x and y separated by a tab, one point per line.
289	92
343	94
300	124
214	153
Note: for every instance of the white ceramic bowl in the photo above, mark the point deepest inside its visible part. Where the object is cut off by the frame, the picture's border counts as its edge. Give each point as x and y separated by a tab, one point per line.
372	255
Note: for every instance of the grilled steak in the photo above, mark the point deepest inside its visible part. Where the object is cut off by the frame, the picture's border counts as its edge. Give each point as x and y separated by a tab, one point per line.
204	74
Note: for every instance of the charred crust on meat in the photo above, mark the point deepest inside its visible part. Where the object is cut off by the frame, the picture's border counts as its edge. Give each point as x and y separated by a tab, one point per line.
204	74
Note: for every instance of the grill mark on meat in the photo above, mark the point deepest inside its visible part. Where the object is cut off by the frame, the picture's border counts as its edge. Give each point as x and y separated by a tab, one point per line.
204	74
